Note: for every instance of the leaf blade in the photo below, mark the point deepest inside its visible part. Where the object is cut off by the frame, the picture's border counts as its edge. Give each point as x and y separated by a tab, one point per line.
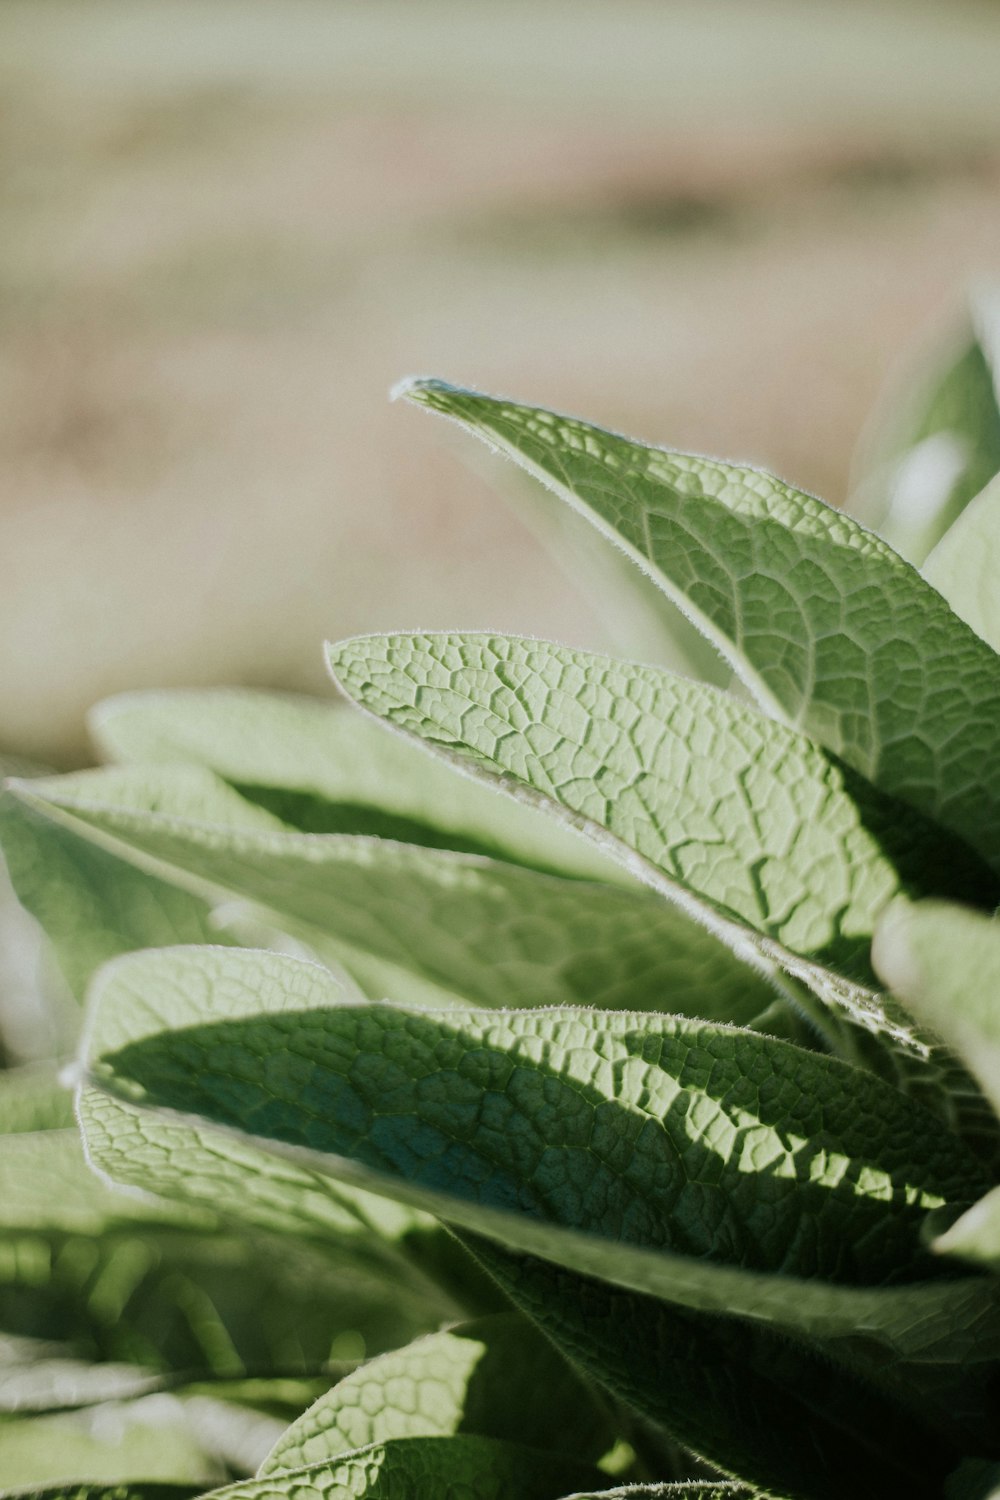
826	624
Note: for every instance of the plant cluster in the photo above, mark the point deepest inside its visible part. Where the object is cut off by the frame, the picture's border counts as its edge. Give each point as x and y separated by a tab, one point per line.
668	1168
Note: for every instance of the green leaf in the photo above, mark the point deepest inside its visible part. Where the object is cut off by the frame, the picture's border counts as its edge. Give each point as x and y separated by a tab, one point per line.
136	1489
448	1468
482	1378
38	1377
760	833
940	442
975	1235
711	1166
121	1277
33	1097
944	962
90	905
829	627
325	771
640	621
470	928
965	565
767	1408
150	1438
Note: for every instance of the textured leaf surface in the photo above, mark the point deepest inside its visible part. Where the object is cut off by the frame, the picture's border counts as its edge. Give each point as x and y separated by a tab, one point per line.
452	1468
687	1160
326	771
756	827
965	565
483	930
830	627
493	1378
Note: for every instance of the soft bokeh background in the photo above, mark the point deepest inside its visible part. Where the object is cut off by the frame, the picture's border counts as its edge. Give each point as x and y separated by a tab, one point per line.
226	228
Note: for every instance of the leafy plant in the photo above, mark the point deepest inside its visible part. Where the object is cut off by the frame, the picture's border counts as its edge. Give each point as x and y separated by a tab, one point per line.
669	1168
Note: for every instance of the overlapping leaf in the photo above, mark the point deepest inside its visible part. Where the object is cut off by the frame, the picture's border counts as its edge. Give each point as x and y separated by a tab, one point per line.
469	927
938	444
91	906
829	626
965	565
945	963
775	1411
481	1378
747	822
115	1276
325	771
698	1163
451	1468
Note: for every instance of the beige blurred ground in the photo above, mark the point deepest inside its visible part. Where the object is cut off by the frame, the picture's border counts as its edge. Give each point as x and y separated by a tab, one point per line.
226	228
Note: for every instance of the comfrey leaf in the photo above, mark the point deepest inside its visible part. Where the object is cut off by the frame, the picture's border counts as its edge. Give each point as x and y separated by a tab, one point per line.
698	1163
829	627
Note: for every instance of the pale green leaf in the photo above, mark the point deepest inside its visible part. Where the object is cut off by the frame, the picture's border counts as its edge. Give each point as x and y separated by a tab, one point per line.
938	442
483	930
483	1378
711	1166
832	629
326	771
38	1377
638	618
90	905
965	565
975	1235
944	962
150	1437
769	840
33	1097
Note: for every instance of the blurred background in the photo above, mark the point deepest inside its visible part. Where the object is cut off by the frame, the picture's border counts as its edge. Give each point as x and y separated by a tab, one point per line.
227	228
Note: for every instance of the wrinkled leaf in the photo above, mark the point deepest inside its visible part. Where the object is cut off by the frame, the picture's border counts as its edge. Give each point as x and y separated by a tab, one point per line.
770	841
483	1378
699	1163
325	771
828	626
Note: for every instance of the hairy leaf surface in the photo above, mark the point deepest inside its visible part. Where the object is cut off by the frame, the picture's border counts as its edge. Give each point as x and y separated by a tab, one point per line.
829	626
699	1163
748	823
326	771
